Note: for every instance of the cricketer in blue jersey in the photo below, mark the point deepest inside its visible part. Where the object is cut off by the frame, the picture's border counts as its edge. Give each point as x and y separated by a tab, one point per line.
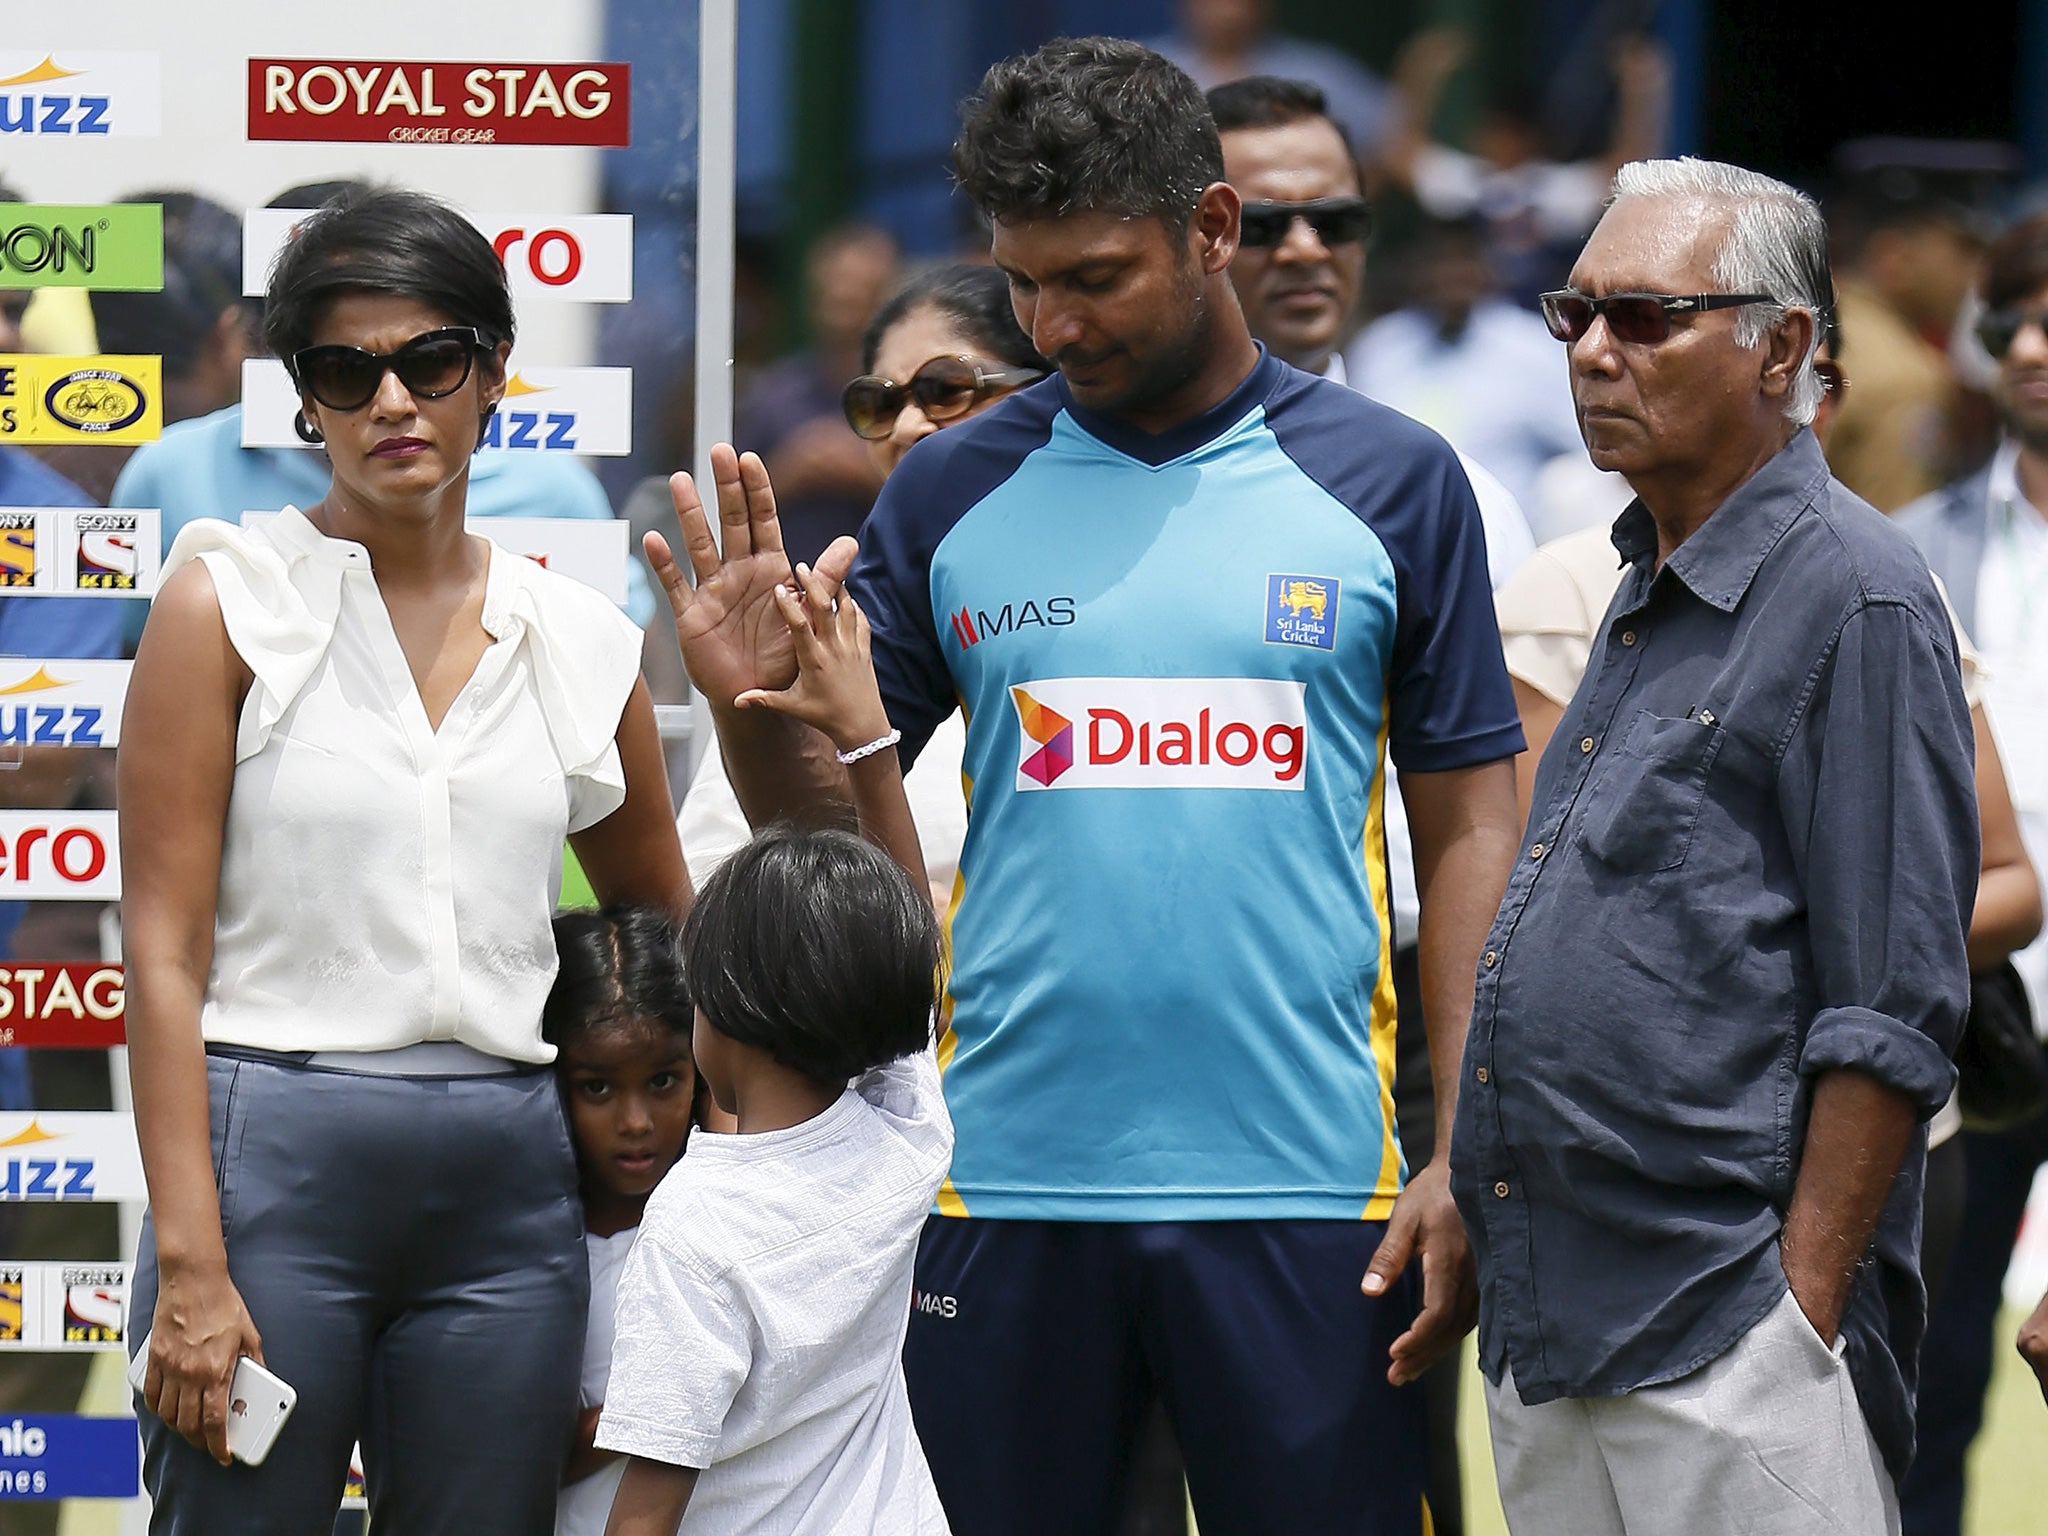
1188	599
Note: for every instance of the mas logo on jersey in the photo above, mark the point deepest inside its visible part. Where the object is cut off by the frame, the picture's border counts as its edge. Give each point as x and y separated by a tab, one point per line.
1161	733
1302	610
971	625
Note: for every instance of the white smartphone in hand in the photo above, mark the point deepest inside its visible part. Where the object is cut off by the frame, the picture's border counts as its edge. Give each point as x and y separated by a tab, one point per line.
259	1401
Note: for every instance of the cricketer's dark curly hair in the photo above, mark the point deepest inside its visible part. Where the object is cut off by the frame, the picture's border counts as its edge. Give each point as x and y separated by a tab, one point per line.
1087	125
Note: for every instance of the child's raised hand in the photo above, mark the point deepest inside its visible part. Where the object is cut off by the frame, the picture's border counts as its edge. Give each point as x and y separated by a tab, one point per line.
835	689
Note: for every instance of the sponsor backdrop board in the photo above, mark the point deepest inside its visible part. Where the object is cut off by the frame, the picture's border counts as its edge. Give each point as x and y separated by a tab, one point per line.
439	101
103	246
75	1004
58	703
58	856
69	1155
586	257
69	1456
80	95
103	399
78	552
60	1306
546	410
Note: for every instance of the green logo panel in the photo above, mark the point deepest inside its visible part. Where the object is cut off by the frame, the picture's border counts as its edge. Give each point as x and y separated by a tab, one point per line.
52	245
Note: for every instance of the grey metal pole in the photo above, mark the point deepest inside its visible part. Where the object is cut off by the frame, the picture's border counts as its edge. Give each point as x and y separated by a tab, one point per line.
717	160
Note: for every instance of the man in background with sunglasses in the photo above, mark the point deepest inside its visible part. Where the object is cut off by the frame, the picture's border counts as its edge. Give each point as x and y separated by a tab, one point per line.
1986	536
1719	998
1188	598
1299	272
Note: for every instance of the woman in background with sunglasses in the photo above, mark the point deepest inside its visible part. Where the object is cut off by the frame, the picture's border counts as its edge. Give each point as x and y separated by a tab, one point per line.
945	348
357	736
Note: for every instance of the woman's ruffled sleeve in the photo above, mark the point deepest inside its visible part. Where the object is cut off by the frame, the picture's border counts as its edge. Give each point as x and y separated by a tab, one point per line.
279	608
586	658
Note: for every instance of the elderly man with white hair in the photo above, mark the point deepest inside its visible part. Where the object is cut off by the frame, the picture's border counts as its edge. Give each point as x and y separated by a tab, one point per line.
1718	1001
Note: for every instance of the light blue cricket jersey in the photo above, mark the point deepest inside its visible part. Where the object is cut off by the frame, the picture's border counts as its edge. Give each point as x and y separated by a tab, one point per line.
1182	660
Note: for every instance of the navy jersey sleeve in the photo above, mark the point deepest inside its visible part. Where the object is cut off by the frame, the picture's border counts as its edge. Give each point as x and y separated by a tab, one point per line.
1450	702
891	580
937	483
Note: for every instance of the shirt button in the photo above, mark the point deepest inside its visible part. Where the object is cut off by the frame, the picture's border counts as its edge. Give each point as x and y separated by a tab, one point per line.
1536	852
1500	1191
1491	957
1482	1074
1628	637
1586	745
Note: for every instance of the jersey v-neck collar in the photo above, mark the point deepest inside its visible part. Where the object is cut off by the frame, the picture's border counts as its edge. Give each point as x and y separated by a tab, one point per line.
1156	448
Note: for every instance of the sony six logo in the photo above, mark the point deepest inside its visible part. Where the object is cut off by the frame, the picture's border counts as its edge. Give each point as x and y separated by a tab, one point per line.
1161	733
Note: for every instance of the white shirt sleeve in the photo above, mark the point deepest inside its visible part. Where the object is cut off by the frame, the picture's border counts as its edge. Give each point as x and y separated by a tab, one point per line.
681	1353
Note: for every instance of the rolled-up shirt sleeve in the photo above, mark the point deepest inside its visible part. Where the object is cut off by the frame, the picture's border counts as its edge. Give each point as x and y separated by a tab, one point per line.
1878	792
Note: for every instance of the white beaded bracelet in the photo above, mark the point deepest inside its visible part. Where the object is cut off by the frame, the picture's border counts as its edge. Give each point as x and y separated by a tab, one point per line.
879	744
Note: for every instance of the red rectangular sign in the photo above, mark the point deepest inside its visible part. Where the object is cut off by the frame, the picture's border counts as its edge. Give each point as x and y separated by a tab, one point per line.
73	1003
439	101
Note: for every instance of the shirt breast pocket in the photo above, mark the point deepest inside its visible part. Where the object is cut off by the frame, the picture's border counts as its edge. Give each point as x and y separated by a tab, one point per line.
1645	806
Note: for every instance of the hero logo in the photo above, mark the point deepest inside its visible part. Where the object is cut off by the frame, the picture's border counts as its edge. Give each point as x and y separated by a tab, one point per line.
555	270
971	626
1161	733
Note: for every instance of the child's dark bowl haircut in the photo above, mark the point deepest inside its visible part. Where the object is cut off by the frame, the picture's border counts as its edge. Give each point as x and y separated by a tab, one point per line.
816	948
616	964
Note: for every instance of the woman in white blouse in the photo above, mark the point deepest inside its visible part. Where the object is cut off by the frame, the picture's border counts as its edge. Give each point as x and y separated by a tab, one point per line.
356	738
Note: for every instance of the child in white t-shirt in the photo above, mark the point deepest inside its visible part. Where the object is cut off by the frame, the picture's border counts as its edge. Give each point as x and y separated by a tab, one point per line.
619	1018
757	1378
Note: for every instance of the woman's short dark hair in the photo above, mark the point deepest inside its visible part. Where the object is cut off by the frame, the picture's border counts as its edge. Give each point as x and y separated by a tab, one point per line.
1087	125
615	965
386	240
814	947
977	298
2016	265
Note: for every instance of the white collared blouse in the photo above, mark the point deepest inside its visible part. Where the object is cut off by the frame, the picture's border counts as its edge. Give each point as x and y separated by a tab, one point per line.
384	883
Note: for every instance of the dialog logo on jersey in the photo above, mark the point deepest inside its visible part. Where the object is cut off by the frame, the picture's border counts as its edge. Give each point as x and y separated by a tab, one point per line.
79	95
1302	610
586	257
1161	733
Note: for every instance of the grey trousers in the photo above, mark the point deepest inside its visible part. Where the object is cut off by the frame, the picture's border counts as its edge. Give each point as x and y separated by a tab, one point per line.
1767	1439
411	1251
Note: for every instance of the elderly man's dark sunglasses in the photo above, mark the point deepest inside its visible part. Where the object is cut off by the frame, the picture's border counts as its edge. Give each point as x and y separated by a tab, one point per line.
2000	328
1643	318
1336	220
431	365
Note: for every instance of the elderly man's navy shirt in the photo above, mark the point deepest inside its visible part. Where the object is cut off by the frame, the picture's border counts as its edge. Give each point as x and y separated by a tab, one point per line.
1750	860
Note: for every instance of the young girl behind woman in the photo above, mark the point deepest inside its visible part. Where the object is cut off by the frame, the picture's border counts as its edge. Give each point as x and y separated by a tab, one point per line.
759	1373
620	1018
